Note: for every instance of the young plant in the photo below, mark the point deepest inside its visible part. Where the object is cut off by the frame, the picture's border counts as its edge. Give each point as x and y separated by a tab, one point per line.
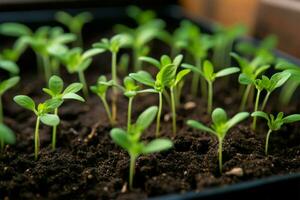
209	75
220	127
7	136
43	113
77	61
113	45
165	76
140	16
275	124
100	89
130	140
13	54
74	23
56	91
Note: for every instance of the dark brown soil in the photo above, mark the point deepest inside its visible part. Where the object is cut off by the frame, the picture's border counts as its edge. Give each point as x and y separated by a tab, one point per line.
88	165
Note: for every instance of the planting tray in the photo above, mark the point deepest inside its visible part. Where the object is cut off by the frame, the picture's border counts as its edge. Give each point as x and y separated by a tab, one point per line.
104	17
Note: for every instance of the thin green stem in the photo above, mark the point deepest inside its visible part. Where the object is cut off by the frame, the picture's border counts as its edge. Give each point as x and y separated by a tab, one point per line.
1	110
167	97
210	97
115	79
83	81
220	155
129	113
131	170
255	109
265	101
173	105
245	97
54	130
105	104
159	114
47	67
36	139
267	141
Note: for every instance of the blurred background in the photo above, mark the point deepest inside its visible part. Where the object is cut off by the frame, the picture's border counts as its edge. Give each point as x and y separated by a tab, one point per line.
262	17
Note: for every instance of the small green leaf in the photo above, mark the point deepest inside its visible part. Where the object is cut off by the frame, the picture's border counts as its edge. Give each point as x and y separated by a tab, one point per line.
181	75
84	65
119	136
260	114
143	77
14	29
291	118
7	84
166	75
193	68
52	104
73	88
199	126
245	80
25	102
227	71
50	119
219	116
73	96
7	135
150	60
279	79
56	84
146	118
157	145
236	119
177	60
165	60
9	66
92	52
242	61
208	70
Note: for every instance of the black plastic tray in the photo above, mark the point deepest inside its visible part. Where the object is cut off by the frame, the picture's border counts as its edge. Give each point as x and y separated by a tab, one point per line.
273	187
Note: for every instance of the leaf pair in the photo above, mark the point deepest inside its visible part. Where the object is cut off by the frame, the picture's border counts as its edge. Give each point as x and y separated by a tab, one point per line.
114	44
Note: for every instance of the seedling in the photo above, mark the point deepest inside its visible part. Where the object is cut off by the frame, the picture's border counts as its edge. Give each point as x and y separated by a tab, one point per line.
209	75
140	16
43	112
113	45
7	136
275	124
77	61
55	90
164	78
220	127
13	54
100	89
74	23
130	140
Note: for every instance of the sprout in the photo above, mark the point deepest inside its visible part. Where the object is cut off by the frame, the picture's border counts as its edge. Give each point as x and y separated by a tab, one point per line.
275	124
6	135
74	23
130	140
43	113
164	78
220	127
100	89
113	45
140	16
55	90
77	61
13	54
209	75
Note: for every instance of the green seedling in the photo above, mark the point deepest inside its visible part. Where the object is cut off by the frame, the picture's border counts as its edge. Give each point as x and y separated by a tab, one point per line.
275	124
11	67
7	136
100	89
140	16
130	140
74	23
251	69
113	45
56	91
43	112
164	78
209	75
265	83
220	127
13	54
77	61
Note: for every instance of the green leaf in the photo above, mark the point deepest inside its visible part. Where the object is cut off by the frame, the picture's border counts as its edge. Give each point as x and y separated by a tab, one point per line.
177	60
244	79
279	79
119	136
242	61
7	135
157	145
150	60
260	114
63	18
181	75
208	70
227	71
7	84
219	116
200	126
50	119
84	65
261	69
56	84
291	118
92	52
165	60
25	102
146	118
14	29
237	118
193	68
73	96
73	88
166	75
9	66
52	104
143	77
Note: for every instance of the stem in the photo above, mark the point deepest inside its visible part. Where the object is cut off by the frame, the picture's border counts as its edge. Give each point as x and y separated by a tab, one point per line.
245	97
210	97
158	114
1	110
103	99
47	69
167	97
131	170
54	130
267	141
255	109
83	81
129	113
115	79
136	62
79	41
265	101
36	139
173	111
220	155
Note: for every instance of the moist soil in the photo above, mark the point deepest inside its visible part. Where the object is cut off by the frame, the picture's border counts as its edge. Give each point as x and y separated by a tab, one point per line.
88	165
